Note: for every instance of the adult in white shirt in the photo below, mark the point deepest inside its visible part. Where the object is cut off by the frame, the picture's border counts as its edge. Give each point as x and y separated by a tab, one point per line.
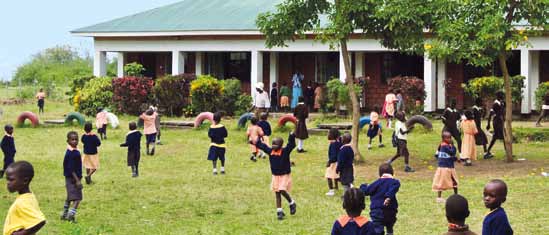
261	101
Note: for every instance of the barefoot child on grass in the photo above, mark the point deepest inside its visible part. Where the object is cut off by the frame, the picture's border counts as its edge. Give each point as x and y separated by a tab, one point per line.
101	123
496	221
24	216
345	167
72	170
331	166
457	210
149	128
91	157
217	134
445	177
279	159
383	201
254	132
353	223
133	142
8	148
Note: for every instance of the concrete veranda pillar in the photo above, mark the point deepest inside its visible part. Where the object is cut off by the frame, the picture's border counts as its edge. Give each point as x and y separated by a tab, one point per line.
256	70
198	63
441	89
120	64
529	68
359	64
178	63
100	64
273	68
429	77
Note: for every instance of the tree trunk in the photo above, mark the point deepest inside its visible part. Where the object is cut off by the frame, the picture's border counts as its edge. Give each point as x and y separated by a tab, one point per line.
508	130
354	100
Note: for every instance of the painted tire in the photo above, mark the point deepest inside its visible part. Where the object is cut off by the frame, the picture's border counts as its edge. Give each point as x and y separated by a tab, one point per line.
421	120
75	116
201	117
286	118
364	121
244	119
28	115
113	120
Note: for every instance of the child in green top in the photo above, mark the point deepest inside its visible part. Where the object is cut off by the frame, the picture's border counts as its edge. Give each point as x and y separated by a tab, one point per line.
285	93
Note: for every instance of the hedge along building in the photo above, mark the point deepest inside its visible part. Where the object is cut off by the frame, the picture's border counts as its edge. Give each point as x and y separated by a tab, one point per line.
220	38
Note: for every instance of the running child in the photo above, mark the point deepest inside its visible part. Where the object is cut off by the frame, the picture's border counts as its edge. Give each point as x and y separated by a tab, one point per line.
157	125
468	146
72	170
450	118
383	201
544	109
478	113
331	167
91	157
457	210
445	177
279	159
345	167
24	215
353	223
374	128
133	142
8	148
217	134
254	132
498	112
101	123
149	128
496	222
401	137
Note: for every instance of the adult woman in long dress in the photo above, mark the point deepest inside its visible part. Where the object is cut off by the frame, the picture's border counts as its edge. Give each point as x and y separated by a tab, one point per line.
297	91
389	107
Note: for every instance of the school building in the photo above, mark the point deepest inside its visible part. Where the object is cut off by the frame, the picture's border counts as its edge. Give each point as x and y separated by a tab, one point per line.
219	37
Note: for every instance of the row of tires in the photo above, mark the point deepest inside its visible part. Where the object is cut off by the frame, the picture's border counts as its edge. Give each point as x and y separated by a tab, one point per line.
69	119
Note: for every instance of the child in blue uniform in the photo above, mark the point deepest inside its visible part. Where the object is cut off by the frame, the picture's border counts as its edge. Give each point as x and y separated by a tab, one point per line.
345	167
331	166
91	157
8	148
266	127
496	221
353	223
445	177
457	210
133	142
72	170
383	201
217	134
279	159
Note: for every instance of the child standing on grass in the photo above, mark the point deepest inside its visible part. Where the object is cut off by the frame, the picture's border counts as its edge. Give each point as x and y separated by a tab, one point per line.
401	135
445	177
383	201
149	128
301	113
24	215
101	123
133	142
285	97
331	166
279	159
496	221
40	97
457	210
91	157
254	132
468	146
345	167
8	148
72	170
374	128
217	134
353	223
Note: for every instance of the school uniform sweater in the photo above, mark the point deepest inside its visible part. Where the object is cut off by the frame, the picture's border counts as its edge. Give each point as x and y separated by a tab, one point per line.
333	150
72	163
91	142
8	146
345	158
266	127
346	225
133	141
381	189
446	155
496	223
217	134
279	160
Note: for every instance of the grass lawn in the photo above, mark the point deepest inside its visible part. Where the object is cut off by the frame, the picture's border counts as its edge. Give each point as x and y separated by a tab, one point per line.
177	194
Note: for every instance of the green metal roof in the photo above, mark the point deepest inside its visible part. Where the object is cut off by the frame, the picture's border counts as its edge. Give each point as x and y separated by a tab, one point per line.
189	15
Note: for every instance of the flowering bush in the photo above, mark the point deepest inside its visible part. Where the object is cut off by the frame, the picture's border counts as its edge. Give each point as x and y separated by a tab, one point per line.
172	93
486	87
206	93
412	88
543	89
130	93
96	93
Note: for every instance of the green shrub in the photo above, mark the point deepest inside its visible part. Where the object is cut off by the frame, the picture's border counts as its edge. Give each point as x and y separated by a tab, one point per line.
26	92
132	94
97	93
134	69
525	135
206	93
234	102
172	93
542	90
338	93
242	104
486	87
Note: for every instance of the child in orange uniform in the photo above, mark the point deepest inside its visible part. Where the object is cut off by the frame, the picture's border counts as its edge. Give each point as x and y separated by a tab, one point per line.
149	129
101	123
468	146
254	132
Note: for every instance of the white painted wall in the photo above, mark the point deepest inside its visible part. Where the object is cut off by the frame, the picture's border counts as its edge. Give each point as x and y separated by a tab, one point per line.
100	63
178	62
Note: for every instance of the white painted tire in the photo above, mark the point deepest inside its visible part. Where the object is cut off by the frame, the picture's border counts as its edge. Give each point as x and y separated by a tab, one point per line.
113	120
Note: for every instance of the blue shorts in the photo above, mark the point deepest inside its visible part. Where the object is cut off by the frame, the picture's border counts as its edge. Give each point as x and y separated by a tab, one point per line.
216	153
151	138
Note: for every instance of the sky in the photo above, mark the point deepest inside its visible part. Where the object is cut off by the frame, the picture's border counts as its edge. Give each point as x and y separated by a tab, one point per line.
30	26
